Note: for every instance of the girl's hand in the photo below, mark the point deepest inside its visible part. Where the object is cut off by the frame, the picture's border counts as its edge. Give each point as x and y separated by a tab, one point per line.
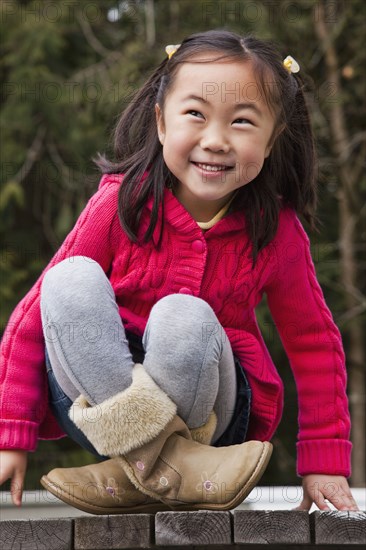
318	487
13	465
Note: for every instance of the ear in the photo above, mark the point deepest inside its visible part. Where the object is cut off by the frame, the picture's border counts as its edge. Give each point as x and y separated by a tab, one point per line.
160	123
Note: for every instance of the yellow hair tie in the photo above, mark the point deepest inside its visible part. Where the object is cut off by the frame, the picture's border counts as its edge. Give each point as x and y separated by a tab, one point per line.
291	65
171	49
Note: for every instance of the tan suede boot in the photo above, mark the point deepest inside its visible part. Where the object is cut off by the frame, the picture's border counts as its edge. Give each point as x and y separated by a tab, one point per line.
101	488
156	451
185	474
104	488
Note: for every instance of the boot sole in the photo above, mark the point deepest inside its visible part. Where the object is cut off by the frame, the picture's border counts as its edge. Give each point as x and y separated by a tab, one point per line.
58	492
152	508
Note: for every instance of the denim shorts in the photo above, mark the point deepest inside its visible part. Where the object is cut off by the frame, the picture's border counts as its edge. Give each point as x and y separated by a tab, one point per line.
60	403
236	431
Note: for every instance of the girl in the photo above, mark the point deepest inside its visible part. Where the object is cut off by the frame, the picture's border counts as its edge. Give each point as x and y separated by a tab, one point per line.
195	220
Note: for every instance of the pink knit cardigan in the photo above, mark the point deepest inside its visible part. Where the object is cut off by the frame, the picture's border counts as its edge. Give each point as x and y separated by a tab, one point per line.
216	266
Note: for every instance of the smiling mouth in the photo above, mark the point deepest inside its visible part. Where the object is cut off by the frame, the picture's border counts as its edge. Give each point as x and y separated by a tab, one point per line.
212	167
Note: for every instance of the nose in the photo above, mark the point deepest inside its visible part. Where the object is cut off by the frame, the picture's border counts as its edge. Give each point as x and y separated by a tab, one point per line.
214	139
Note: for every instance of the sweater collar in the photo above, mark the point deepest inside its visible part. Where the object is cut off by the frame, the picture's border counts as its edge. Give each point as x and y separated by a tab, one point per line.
180	219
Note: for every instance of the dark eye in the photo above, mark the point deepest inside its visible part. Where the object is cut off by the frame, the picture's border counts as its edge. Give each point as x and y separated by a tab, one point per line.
243	121
194	113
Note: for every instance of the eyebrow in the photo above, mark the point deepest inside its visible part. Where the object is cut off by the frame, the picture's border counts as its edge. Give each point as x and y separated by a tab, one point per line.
237	107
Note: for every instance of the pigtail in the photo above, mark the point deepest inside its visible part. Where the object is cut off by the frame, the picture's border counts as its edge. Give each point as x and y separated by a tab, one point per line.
138	153
293	165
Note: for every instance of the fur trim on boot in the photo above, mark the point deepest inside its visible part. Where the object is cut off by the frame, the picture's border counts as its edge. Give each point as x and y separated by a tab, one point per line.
127	420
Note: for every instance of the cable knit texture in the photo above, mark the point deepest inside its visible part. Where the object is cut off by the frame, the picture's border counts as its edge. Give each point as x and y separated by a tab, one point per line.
216	266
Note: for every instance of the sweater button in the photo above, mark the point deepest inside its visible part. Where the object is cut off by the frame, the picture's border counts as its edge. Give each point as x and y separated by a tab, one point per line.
185	290
198	246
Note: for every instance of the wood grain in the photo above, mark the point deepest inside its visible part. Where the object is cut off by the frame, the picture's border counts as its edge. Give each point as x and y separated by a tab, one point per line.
192	528
271	527
42	534
340	527
113	532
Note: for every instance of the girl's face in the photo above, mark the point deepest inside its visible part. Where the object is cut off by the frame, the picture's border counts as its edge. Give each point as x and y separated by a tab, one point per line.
216	131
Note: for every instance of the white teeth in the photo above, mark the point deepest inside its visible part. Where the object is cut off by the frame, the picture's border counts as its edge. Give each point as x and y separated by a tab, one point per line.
210	168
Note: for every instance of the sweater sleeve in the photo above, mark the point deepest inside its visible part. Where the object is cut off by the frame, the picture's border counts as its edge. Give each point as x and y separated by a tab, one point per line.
23	387
314	347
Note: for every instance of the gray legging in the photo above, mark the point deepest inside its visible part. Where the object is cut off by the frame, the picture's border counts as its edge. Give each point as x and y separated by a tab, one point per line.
187	351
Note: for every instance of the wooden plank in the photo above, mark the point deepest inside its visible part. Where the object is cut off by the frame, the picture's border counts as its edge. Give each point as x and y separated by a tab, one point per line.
43	534
271	527
113	532
192	528
339	527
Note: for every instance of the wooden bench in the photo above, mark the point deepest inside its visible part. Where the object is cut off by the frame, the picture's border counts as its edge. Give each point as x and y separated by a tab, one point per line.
288	530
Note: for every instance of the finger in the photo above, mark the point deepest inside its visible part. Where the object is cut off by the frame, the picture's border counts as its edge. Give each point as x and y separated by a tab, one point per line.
319	500
305	503
349	502
16	488
343	501
340	496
